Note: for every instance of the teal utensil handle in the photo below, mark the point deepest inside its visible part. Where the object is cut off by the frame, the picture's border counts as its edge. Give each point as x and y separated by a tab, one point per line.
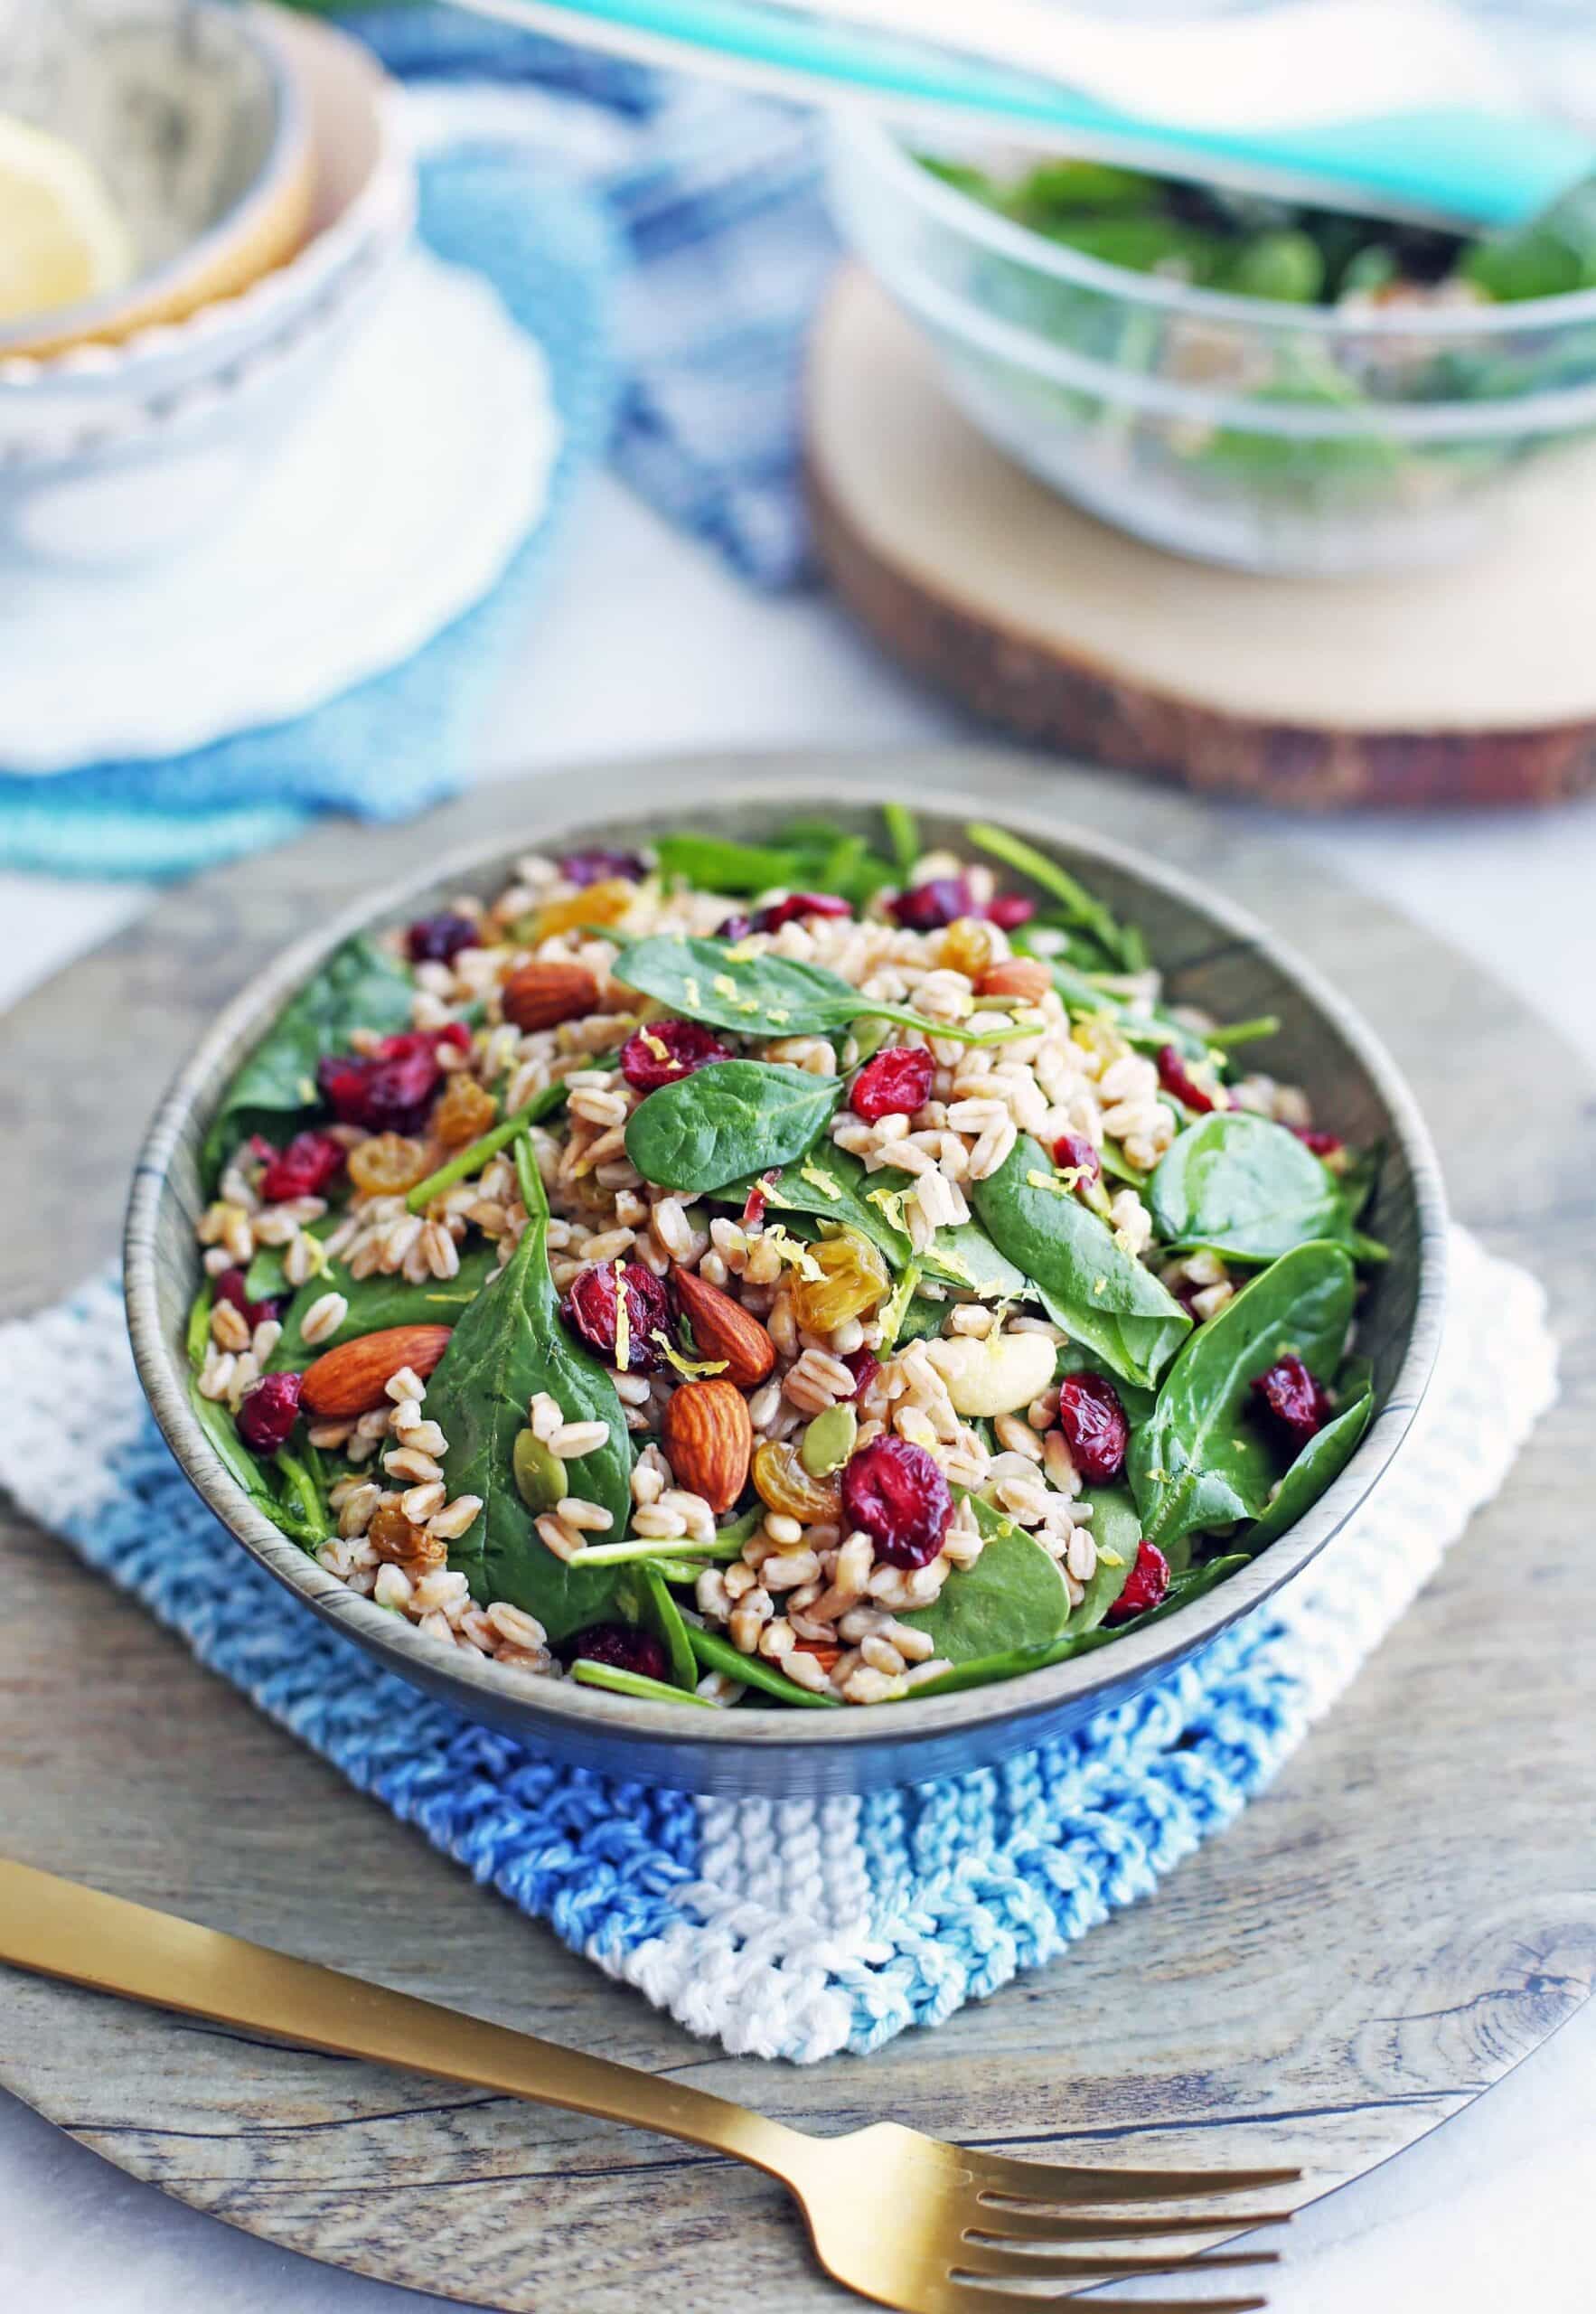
1453	164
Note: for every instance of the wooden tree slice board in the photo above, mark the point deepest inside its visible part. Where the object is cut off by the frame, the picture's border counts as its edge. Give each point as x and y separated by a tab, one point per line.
1469	681
1405	1915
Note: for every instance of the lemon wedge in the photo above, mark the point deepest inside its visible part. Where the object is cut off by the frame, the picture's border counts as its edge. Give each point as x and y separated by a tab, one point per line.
60	239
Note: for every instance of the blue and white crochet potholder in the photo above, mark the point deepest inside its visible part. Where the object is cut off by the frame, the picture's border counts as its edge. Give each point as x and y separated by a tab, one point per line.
792	1928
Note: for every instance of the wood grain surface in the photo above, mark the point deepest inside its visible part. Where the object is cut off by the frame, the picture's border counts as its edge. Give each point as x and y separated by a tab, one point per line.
1465	681
1408	1912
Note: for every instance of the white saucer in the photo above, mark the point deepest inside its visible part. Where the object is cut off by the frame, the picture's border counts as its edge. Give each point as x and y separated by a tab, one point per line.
395	507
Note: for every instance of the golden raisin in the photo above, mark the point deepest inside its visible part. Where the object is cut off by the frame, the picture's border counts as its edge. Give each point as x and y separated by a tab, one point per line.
781	1484
855	1281
602	903
967	946
465	1112
385	1165
393	1536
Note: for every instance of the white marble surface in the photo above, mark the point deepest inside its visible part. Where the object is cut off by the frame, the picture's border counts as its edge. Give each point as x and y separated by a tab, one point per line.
647	648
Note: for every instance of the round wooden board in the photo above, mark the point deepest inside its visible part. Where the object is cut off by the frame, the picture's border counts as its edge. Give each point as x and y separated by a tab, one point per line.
1403	1916
1470	682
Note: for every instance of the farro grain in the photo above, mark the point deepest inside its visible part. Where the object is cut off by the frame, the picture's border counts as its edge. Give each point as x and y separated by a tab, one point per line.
452	1522
410	1462
419	1502
572	1440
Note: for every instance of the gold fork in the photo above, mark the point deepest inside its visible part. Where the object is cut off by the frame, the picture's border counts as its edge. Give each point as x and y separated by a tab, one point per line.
905	2219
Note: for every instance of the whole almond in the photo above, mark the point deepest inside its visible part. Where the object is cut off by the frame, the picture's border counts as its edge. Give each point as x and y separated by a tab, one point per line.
352	1378
709	1440
1023	976
542	995
723	1330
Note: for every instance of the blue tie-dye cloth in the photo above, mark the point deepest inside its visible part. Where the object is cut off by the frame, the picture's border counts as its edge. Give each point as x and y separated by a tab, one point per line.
788	1928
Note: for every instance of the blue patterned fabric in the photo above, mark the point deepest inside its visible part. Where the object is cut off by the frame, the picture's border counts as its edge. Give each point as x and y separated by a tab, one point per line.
714	199
789	1928
397	743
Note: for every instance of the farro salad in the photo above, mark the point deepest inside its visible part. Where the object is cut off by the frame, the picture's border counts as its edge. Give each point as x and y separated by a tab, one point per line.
798	1273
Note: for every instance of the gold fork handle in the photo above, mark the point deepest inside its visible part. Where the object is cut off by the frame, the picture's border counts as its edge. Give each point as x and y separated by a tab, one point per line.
61	1929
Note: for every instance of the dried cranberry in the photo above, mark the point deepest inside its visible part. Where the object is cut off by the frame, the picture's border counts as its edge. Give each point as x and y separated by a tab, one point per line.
927	908
895	1083
1095	1426
590	1313
598	867
864	1366
1074	1154
896	1493
758	1198
341	1080
303	1169
1150	1581
733	927
231	1287
392	1089
438	939
620	1649
666	1049
1175	1078
1323	1144
1295	1400
798	904
267	1413
1009	911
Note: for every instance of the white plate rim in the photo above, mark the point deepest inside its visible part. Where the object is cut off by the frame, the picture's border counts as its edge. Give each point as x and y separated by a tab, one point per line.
505	373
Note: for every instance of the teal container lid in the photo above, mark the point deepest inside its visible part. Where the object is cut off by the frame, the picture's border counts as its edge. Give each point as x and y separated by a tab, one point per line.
1466	162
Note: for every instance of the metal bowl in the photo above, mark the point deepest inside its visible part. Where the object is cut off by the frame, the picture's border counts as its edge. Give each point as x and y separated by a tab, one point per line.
1212	953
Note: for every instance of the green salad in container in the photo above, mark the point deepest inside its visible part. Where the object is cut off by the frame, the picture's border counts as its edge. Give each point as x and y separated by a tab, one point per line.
809	1274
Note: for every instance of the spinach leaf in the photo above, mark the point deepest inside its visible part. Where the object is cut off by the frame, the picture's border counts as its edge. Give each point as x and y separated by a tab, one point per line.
1085	999
768	996
904	837
986	1671
1244	1187
1077	906
1204	1460
715	1653
834	1185
1359	1178
717	864
361	986
1323	1458
377	1302
643	1598
733	1117
1099	1294
474	1158
240	1465
811	856
921	1319
1116	1528
618	1682
1013	1664
507	1345
1013	1596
